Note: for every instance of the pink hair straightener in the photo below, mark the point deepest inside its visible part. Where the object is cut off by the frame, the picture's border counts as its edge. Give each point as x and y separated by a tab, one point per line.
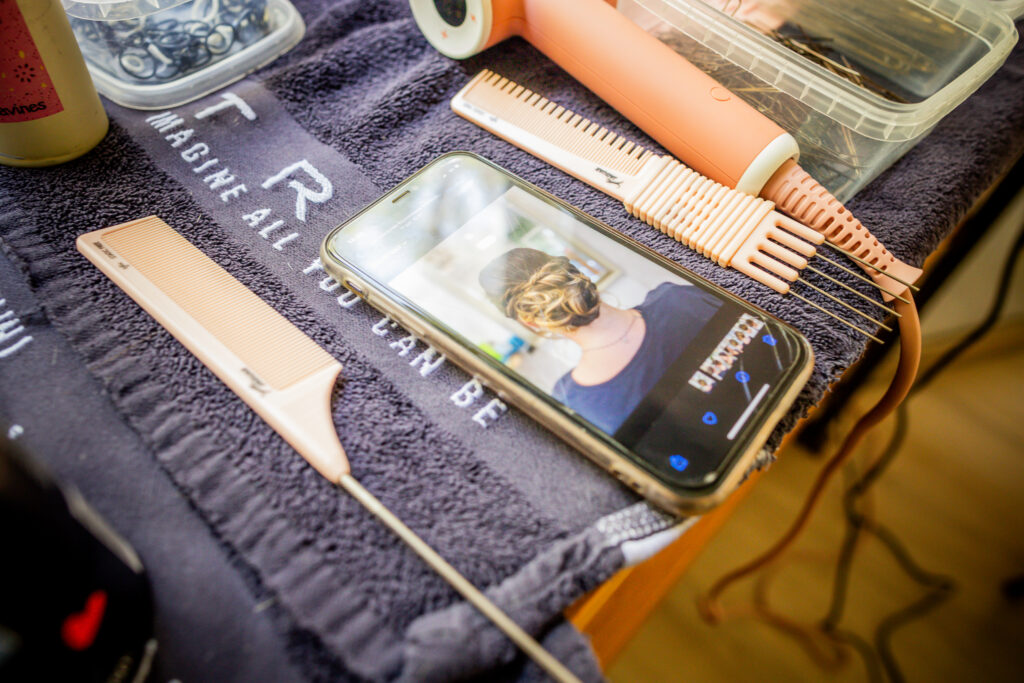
689	113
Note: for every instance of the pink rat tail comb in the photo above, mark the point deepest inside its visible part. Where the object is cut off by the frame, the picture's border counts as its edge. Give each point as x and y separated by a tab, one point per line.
732	228
796	193
282	374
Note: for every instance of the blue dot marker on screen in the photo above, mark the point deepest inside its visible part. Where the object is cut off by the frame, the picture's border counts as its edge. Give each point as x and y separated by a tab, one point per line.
742	377
768	339
678	462
709	418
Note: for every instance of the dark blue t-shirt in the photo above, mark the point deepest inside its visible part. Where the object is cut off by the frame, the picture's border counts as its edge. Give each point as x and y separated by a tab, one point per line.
673	315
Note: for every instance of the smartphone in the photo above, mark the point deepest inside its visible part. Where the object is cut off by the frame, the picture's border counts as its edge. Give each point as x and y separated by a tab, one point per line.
665	380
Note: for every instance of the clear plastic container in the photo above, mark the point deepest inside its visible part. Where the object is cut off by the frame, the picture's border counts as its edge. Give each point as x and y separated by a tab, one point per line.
917	60
1015	8
154	54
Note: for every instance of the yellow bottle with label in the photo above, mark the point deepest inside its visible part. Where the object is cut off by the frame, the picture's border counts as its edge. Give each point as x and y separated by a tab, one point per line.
49	110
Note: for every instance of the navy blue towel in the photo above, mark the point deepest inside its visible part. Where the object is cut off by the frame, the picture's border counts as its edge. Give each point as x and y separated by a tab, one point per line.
280	575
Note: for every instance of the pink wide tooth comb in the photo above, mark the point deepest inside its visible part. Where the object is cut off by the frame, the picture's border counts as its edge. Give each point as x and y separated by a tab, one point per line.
732	228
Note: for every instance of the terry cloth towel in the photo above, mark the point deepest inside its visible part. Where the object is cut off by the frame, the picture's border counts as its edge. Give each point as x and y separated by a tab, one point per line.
255	176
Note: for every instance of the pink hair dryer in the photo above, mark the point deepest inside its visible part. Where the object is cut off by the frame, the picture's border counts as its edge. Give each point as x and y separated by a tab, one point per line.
696	119
677	104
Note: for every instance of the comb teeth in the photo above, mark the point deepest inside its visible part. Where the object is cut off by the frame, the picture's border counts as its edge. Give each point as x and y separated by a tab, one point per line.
734	229
554	123
280	354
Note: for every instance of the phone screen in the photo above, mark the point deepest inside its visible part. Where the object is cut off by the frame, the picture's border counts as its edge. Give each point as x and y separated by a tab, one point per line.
675	373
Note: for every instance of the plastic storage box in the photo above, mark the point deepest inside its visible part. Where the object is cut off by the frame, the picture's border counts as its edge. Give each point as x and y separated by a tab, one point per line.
926	56
153	54
1015	8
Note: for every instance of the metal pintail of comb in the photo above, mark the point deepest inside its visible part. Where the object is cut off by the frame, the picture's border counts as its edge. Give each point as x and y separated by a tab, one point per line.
833	315
872	266
733	229
847	287
842	303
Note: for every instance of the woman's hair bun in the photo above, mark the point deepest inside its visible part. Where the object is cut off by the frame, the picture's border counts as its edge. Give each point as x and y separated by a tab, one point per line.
539	289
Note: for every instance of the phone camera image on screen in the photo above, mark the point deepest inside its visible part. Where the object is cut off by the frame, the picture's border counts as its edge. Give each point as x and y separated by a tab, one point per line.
664	367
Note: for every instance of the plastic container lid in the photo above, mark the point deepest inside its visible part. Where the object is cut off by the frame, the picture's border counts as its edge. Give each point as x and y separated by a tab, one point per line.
104	10
853	107
1015	8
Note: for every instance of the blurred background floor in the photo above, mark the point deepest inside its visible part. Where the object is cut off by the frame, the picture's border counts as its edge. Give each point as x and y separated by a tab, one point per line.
954	496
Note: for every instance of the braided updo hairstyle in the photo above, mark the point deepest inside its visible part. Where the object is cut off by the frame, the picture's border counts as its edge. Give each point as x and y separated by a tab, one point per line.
538	289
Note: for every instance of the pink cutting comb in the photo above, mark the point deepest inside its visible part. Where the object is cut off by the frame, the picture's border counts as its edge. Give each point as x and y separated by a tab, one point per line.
734	229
